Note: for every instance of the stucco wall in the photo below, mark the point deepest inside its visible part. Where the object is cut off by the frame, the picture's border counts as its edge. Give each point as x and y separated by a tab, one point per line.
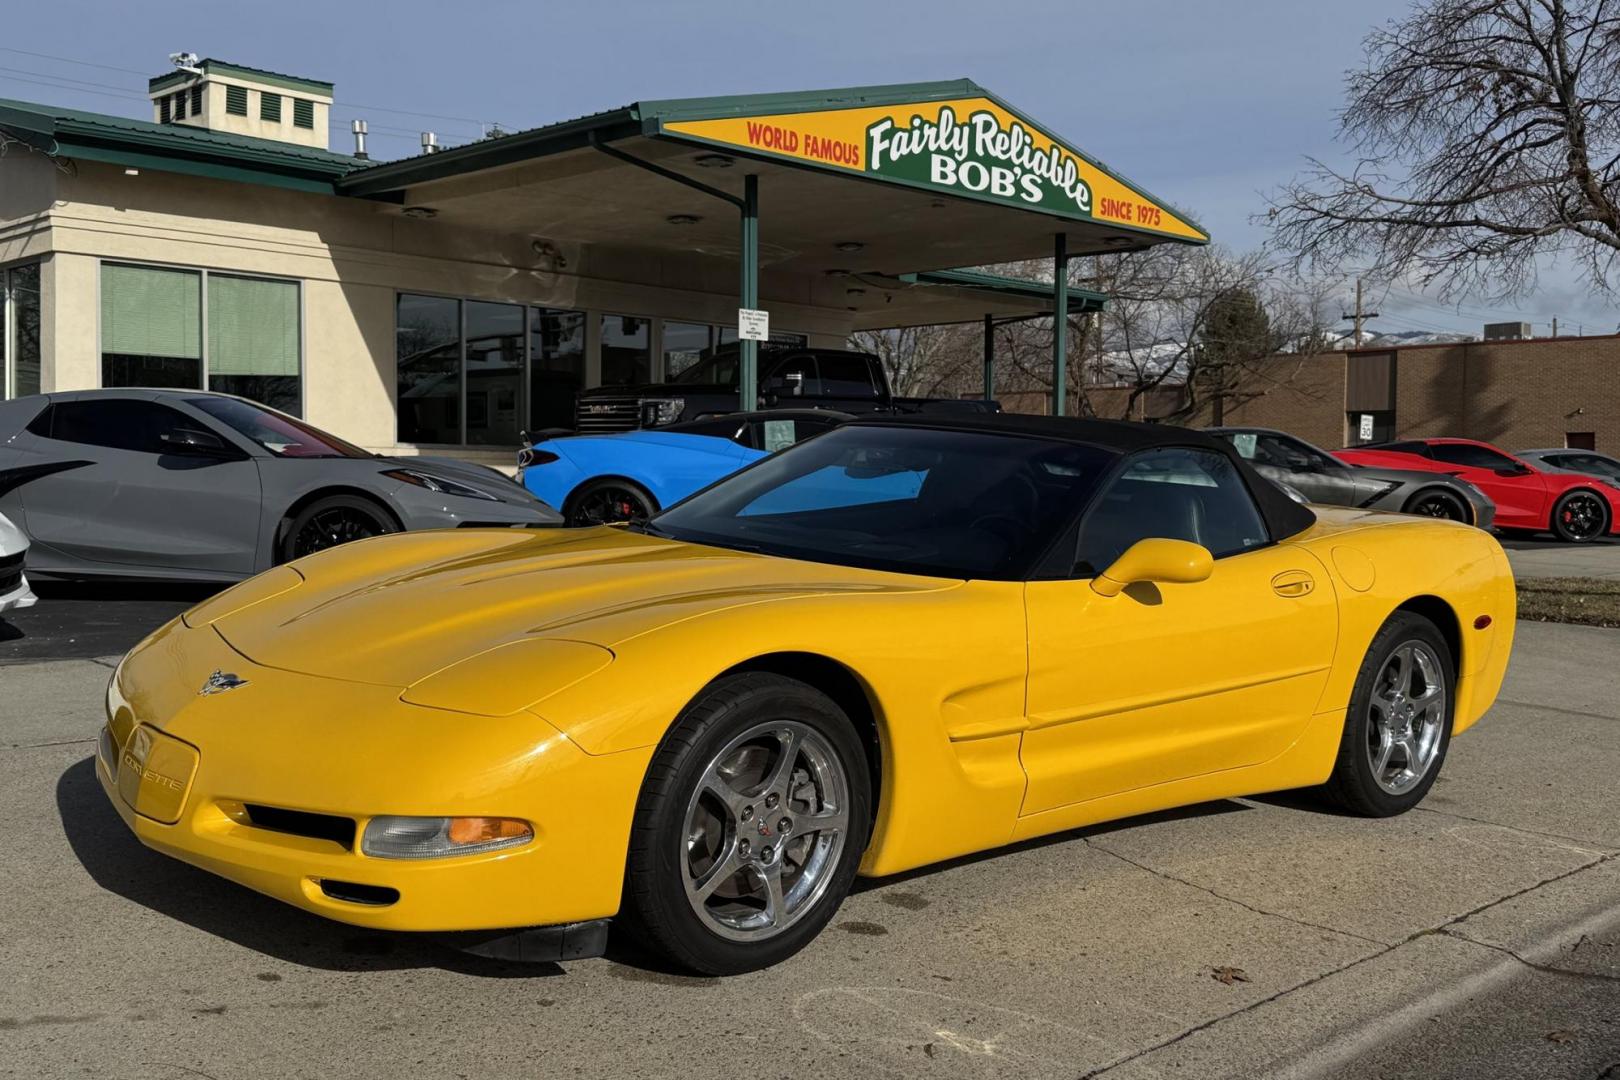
352	256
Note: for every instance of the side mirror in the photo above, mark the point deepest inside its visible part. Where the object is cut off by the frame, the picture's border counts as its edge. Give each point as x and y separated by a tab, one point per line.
192	441
1157	560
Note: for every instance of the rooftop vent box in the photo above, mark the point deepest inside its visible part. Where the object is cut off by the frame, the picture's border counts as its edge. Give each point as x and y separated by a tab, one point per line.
1506	331
241	100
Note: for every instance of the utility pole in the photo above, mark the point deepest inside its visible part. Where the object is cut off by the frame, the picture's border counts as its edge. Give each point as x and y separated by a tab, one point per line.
1555	326
1360	316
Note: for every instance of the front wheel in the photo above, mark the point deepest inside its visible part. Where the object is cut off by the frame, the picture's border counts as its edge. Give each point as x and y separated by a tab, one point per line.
334	520
1398	726
750	826
1580	516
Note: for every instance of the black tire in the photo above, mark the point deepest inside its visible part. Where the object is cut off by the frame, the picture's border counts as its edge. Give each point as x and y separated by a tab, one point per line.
333	520
603	502
1438	503
1580	516
657	908
1352	785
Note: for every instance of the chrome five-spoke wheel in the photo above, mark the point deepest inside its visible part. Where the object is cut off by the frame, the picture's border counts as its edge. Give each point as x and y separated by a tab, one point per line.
764	830
1406	718
751	824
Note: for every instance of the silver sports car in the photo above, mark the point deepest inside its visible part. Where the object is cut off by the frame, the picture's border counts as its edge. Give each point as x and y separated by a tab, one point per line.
191	485
14	590
1322	478
1570	460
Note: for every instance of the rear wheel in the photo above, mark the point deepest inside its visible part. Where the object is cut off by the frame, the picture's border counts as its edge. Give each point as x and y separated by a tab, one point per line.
1398	726
1579	516
750	826
1436	503
333	520
603	502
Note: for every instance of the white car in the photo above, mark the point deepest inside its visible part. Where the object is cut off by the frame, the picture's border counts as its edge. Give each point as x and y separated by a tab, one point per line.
14	590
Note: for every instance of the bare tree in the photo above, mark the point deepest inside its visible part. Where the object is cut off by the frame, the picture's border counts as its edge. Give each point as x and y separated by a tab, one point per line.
924	361
1488	134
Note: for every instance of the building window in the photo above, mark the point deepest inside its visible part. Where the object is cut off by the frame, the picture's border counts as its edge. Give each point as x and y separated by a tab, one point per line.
270	107
19	331
303	113
626	350
684	345
196	100
253	337
494	373
428	346
151	326
556	366
152	321
236	100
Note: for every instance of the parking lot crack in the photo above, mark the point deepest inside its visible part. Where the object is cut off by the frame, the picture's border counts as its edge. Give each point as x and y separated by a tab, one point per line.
1234	900
40	745
1555	709
1593	847
1547	969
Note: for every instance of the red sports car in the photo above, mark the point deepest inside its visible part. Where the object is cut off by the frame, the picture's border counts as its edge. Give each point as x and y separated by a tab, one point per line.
1571	507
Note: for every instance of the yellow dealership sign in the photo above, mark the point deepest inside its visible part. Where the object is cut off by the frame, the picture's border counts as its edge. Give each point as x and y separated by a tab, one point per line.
972	147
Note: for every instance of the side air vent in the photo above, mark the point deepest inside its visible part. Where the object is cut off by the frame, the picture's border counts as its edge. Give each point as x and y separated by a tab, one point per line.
339	830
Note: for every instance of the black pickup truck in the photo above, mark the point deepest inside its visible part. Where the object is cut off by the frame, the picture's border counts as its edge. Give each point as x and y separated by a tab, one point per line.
790	377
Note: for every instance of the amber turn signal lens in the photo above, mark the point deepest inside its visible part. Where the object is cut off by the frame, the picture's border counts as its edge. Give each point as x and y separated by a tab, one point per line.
481	830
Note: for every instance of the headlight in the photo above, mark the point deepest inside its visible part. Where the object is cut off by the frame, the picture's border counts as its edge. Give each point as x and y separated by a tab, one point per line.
438	484
655	411
437	837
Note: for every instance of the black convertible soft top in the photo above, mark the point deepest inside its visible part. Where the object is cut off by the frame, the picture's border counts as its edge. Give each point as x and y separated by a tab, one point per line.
1284	517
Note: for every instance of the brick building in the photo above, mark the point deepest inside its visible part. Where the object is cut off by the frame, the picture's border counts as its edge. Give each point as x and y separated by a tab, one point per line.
1518	394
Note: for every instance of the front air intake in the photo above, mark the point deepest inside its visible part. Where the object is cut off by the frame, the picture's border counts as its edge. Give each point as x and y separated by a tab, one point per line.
339	830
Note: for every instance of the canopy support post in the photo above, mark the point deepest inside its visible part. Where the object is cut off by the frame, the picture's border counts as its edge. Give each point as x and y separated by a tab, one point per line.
989	358
748	297
1060	322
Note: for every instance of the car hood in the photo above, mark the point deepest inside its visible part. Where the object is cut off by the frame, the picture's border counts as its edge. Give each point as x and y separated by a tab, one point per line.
396	609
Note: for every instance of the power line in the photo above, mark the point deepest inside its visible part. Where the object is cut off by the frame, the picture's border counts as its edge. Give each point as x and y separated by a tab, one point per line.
69	60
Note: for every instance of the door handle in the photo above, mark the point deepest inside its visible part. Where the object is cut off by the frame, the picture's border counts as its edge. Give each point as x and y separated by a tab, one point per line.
1293	583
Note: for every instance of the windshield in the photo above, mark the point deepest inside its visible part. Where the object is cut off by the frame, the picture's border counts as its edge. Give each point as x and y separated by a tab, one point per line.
913	500
277	432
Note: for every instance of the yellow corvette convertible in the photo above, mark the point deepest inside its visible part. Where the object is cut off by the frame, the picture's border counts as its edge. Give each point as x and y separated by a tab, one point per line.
898	642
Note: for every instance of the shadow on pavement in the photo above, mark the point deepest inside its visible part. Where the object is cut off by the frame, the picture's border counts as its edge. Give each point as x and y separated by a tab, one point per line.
78	620
120	864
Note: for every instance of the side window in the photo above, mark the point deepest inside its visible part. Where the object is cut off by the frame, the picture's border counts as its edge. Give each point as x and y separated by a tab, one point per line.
1174	494
1469	456
1421	449
793	377
847	376
117	425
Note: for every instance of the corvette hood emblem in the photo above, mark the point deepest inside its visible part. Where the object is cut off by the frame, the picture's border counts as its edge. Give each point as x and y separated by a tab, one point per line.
221	681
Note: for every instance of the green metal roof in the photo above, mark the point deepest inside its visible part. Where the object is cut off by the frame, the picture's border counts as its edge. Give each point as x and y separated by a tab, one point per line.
180	148
637	118
221	67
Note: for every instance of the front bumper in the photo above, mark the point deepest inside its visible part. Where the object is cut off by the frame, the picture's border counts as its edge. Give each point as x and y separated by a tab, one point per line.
18	596
423	509
353	751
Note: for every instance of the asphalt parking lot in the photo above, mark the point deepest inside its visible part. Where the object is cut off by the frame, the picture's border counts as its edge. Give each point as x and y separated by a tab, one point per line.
1479	935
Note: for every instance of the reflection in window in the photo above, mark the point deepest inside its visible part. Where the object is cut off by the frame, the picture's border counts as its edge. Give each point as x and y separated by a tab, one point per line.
684	345
556	366
494	372
428	330
626	350
22	288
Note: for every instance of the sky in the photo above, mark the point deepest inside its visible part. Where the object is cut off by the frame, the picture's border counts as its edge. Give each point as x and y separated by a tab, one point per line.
1205	105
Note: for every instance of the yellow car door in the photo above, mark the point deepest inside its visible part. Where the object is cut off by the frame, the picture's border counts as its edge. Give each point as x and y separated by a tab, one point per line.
1164	680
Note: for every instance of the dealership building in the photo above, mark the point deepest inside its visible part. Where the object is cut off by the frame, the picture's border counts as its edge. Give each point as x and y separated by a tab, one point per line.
452	299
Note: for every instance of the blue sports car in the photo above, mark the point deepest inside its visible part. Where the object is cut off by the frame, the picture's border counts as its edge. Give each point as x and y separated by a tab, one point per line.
594	479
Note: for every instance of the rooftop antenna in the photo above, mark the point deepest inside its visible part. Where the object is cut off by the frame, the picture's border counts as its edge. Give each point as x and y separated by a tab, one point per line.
186	61
359	127
430	143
